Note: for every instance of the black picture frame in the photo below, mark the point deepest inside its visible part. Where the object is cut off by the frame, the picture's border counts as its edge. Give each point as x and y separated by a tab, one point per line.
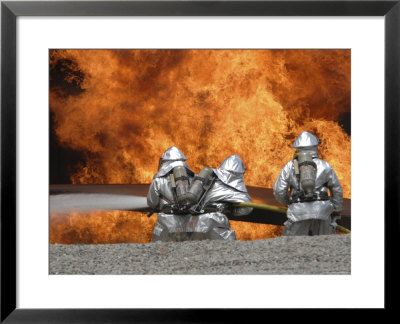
10	10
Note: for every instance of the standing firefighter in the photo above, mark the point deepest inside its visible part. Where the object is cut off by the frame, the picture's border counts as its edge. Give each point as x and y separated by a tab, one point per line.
303	186
213	193
168	196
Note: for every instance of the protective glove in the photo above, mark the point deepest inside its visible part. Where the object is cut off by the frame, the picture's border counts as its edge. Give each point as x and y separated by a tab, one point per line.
335	216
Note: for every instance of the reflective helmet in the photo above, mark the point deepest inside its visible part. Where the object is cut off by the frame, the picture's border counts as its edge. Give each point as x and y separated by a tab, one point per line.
233	164
172	158
231	172
305	139
173	154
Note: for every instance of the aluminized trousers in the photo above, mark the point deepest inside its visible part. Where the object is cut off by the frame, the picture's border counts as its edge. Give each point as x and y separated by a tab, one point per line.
178	228
308	227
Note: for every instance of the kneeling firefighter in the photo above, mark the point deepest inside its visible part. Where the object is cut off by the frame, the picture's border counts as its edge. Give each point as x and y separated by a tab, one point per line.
167	196
213	193
303	185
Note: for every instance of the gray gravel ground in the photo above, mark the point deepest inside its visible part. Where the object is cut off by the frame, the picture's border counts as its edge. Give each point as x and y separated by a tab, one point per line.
281	255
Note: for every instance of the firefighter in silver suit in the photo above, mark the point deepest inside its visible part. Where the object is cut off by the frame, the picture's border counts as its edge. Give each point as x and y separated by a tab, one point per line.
303	186
166	196
227	188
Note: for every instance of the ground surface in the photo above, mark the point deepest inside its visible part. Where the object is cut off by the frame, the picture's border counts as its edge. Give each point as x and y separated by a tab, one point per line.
281	255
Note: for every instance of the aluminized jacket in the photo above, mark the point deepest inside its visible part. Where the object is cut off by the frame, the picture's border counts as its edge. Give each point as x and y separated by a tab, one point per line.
231	189
169	226
160	191
219	199
229	186
182	227
209	225
325	179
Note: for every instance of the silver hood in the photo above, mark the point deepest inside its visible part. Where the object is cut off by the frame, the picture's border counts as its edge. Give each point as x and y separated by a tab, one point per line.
233	163
231	172
305	139
170	159
173	154
231	180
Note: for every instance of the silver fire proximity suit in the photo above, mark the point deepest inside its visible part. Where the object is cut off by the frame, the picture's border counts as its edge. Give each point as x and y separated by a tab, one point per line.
317	214
227	188
169	226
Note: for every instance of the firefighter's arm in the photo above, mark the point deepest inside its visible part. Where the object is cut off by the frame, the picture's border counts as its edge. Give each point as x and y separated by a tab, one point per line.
242	211
281	185
336	191
153	196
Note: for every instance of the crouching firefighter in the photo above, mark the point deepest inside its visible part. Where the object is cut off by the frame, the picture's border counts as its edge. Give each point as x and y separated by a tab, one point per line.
212	195
303	186
167	196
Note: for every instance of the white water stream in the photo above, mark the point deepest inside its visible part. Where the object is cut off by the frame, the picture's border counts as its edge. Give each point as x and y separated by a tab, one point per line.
85	202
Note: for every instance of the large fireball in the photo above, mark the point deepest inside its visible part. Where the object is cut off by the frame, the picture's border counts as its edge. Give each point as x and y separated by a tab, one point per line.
119	110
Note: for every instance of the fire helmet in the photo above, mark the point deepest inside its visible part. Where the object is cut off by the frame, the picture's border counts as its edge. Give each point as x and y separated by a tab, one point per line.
172	158
173	154
233	164
305	139
231	172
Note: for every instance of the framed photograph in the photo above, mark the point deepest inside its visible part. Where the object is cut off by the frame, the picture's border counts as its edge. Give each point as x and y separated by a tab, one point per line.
204	72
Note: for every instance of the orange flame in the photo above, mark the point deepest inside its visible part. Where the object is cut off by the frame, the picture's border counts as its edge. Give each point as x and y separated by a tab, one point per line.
210	103
107	227
123	108
101	227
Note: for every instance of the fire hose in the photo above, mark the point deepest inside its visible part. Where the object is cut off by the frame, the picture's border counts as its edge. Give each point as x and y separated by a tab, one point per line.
280	210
